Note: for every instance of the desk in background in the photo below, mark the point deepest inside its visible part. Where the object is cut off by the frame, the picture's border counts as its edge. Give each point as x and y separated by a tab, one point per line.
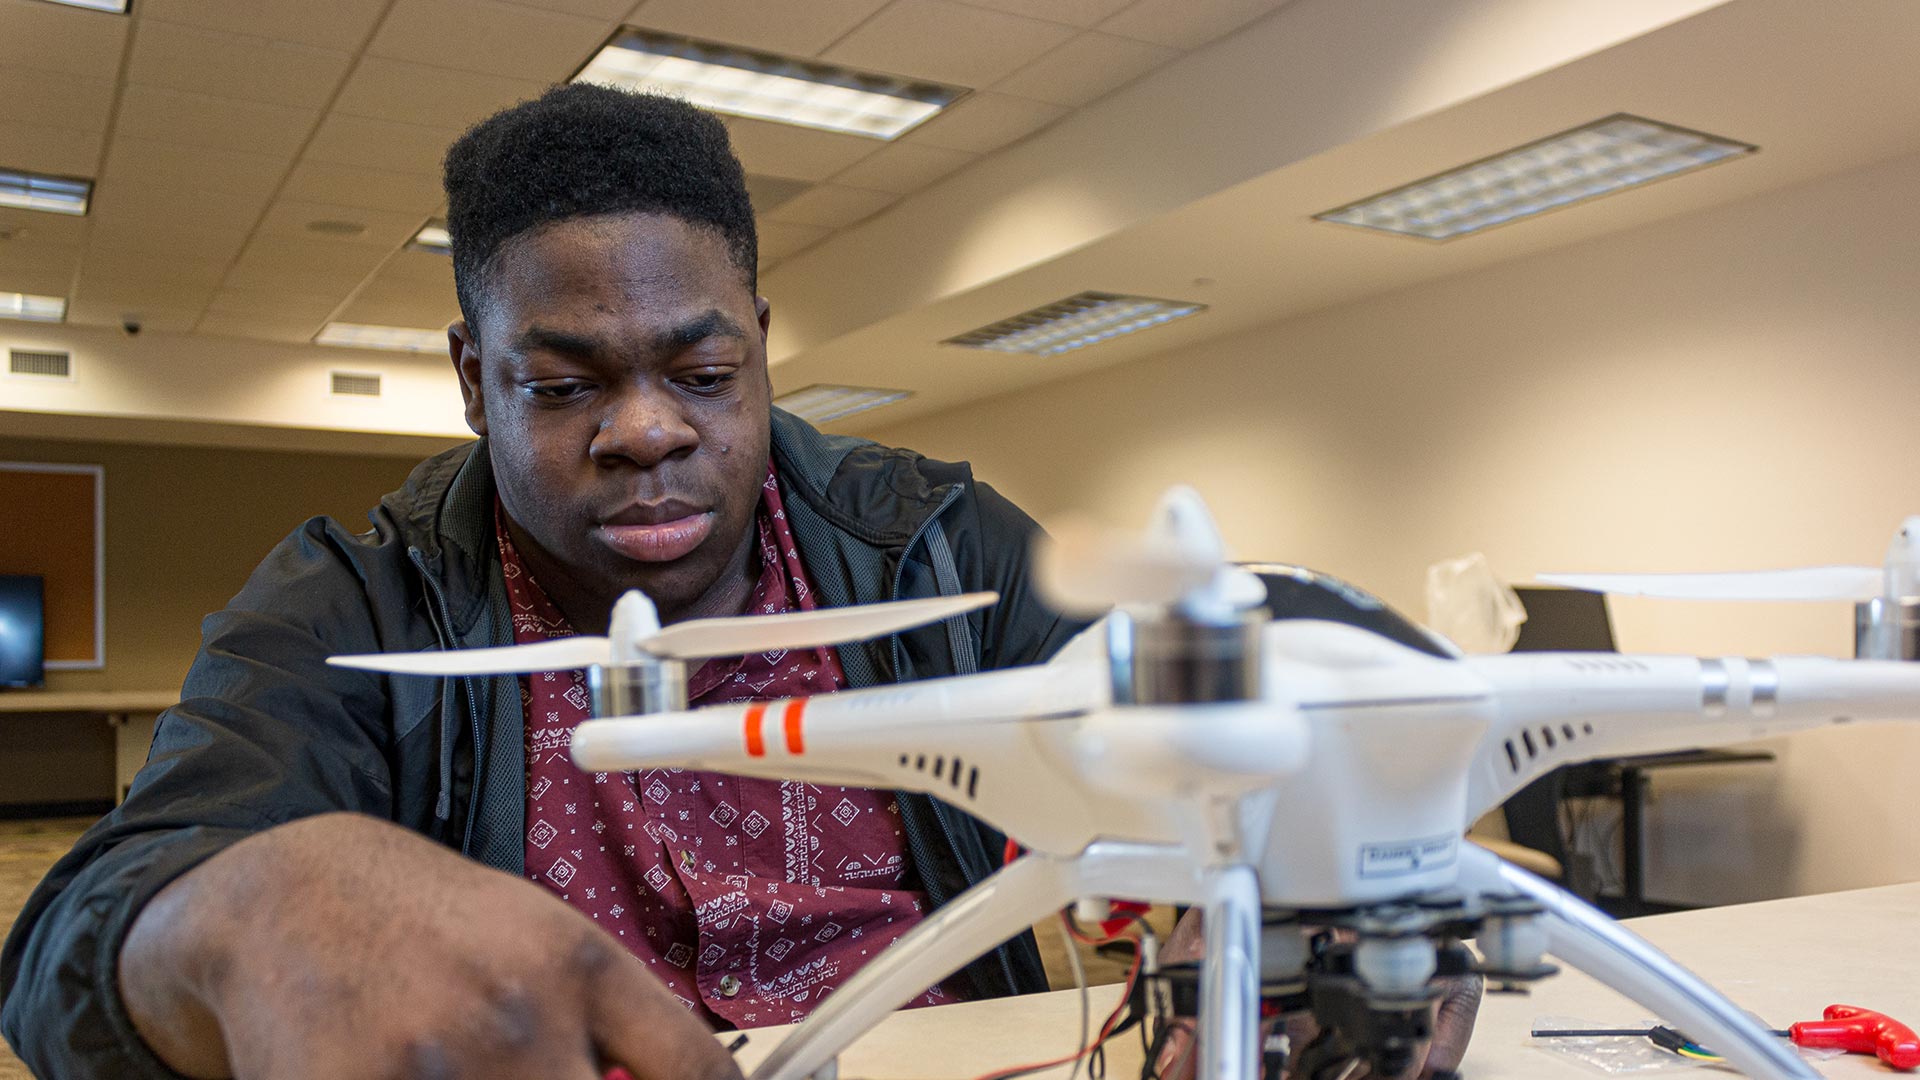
130	713
1783	959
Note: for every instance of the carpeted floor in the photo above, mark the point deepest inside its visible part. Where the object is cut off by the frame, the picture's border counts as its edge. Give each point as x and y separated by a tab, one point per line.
28	848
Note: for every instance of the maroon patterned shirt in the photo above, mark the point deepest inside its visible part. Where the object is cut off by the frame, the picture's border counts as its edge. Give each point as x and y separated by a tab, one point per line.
751	899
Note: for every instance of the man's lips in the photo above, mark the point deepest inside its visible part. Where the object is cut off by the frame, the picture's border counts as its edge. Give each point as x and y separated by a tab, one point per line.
661	541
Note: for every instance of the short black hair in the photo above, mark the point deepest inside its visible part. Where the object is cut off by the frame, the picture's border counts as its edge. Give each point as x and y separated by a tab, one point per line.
582	149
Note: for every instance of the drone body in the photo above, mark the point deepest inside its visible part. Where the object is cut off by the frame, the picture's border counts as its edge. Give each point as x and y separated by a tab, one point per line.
1282	774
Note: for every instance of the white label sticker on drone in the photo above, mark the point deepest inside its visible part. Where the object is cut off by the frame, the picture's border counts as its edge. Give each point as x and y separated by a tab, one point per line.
1398	857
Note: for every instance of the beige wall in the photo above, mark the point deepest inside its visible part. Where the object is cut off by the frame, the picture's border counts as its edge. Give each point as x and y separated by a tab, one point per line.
184	526
1734	389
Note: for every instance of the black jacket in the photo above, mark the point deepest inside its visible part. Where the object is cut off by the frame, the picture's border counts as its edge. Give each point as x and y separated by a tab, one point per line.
266	733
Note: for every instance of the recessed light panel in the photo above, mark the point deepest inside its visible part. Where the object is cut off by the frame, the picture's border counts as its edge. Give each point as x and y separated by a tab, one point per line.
391	338
117	7
820	402
766	87
1573	166
434	238
53	194
1074	323
32	308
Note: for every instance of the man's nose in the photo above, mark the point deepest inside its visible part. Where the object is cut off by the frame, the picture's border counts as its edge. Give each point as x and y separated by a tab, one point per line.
642	427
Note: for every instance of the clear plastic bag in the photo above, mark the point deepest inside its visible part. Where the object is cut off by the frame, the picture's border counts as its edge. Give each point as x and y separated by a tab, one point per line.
1622	1055
1471	606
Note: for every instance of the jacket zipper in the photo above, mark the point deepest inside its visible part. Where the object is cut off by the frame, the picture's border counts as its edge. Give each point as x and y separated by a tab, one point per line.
473	704
899	576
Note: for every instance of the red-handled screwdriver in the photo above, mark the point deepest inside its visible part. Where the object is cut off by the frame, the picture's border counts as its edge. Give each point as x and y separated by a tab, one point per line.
1860	1031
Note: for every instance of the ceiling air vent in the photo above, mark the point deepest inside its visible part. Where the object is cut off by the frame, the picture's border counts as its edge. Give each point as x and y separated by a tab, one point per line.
356	383
46	365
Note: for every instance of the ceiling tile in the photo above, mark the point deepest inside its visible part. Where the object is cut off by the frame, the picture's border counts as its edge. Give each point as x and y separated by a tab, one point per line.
598	9
235	66
429	96
417	194
832	206
260	327
380	144
131	295
384	229
767	192
383	304
779	239
1076	12
307	254
333	24
143	238
48	37
800	153
176	207
1085	68
250	273
947	42
170	320
779	26
903	167
314	308
112	265
151	161
153	112
1186	24
491	37
418	269
983	122
57	150
56	99
38	227
43	279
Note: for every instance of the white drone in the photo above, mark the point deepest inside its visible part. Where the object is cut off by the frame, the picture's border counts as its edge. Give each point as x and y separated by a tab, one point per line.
1189	749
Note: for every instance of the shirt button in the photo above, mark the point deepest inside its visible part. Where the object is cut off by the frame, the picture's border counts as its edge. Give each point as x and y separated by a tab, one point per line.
729	986
686	860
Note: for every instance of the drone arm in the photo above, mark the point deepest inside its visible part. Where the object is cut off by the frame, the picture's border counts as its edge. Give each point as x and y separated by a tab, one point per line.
1614	955
973	923
1563	708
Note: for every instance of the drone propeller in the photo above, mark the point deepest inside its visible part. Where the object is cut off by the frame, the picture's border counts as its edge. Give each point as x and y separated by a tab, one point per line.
691	640
1808	583
1180	560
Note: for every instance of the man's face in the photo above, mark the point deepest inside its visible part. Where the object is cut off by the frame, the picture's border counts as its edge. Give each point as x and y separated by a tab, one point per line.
620	374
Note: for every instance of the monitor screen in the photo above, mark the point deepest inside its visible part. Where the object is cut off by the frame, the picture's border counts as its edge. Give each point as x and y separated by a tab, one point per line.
22	631
1563	620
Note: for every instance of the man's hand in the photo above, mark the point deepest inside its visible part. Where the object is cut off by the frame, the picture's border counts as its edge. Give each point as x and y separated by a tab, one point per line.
342	946
1452	1024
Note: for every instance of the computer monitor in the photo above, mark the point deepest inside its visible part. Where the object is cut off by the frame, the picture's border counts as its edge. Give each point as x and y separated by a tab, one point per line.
1564	620
23	660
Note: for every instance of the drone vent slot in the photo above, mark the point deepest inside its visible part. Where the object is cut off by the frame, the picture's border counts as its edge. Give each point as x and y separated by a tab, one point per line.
973	781
1547	734
1513	756
1527	738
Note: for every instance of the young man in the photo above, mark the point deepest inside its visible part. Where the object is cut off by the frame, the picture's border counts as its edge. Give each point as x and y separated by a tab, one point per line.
284	891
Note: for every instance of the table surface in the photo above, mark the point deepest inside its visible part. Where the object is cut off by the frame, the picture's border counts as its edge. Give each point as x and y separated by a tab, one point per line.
1783	959
88	701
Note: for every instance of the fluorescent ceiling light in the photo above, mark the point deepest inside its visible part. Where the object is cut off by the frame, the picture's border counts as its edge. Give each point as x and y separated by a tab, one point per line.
820	402
118	7
392	338
433	237
35	191
1573	166
1074	323
33	308
766	87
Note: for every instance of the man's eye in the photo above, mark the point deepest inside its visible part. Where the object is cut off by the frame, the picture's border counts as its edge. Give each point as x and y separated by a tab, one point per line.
707	382
556	392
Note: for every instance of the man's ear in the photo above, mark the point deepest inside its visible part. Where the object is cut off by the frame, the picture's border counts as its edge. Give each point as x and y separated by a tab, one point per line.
465	352
764	312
